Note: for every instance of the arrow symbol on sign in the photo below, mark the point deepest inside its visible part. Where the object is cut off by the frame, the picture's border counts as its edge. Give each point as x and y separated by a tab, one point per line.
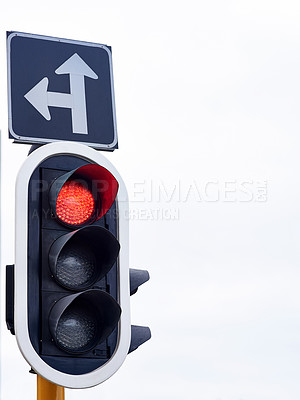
41	99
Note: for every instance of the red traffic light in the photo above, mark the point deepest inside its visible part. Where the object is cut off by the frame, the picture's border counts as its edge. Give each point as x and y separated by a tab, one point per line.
75	204
71	280
84	195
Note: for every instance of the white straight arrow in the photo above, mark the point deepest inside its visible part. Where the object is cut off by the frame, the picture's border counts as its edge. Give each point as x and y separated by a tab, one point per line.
41	99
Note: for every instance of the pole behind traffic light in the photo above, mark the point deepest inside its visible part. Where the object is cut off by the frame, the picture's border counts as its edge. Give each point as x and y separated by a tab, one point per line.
49	391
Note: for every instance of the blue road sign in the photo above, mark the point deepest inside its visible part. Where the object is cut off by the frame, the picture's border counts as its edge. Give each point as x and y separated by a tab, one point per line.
60	89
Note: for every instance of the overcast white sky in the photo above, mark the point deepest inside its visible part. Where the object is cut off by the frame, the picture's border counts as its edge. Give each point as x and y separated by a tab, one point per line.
207	97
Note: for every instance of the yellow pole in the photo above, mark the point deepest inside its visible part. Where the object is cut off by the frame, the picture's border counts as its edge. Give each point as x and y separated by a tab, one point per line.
49	391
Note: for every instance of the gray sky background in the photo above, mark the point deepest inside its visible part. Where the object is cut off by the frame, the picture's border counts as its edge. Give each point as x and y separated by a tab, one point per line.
207	98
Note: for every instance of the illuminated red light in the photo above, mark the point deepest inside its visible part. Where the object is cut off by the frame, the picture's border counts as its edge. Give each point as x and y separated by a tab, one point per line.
75	204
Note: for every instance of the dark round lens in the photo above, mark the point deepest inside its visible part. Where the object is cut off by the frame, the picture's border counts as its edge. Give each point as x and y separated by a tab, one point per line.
76	329
76	265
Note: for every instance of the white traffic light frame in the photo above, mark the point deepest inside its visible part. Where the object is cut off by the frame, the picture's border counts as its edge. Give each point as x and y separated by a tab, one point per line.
21	296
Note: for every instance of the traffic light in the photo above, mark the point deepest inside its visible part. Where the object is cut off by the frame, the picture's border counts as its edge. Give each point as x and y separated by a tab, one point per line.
71	276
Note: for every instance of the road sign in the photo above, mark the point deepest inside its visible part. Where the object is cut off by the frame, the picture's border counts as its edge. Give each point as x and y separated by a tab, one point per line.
60	89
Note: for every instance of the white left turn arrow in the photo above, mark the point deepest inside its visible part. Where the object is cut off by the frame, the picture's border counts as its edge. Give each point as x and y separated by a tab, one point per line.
41	99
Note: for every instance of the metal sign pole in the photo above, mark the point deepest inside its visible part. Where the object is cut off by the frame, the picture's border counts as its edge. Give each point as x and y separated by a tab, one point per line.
47	390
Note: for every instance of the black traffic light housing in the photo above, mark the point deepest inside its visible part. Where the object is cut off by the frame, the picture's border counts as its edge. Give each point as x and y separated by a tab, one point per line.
71	304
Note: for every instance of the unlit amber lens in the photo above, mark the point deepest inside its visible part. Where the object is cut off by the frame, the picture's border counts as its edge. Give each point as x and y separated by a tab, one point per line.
75	204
